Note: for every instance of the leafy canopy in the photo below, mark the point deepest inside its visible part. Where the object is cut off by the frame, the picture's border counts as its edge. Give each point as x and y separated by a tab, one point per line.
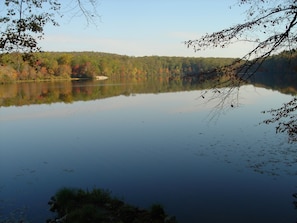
23	21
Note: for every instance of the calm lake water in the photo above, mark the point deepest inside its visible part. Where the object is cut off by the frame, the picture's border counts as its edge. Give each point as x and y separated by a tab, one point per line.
148	148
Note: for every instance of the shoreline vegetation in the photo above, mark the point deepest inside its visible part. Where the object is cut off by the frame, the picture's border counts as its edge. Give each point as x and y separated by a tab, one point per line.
81	206
278	69
52	66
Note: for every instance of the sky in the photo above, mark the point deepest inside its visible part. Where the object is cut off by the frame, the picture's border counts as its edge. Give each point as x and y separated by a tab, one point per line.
146	28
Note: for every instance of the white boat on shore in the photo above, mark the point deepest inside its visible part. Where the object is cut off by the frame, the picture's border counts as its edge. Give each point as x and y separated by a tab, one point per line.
101	78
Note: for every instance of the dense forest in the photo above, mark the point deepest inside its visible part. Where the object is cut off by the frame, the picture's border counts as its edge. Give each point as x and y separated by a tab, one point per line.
59	65
277	70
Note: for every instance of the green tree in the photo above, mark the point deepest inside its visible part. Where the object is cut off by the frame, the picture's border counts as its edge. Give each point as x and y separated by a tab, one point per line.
65	59
271	26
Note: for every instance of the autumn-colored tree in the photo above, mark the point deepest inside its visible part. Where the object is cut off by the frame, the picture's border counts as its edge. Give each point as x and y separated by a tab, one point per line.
64	71
7	74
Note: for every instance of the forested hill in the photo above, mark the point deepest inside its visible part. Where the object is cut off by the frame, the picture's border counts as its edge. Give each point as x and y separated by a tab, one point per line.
277	70
59	65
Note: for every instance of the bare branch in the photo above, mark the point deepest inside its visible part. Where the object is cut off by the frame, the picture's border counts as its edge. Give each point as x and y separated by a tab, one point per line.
275	23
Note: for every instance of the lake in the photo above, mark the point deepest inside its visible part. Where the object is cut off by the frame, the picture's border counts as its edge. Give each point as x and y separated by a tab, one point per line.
148	143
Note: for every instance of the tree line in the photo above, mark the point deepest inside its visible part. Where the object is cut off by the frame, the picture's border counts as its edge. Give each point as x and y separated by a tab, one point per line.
276	70
67	65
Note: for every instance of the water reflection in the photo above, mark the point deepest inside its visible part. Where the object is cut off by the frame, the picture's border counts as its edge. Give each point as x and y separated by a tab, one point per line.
150	148
67	92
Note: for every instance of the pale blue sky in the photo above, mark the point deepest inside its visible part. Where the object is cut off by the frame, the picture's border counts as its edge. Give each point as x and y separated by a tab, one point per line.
145	28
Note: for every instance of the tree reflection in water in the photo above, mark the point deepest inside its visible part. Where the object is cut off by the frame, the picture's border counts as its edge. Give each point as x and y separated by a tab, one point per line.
240	148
